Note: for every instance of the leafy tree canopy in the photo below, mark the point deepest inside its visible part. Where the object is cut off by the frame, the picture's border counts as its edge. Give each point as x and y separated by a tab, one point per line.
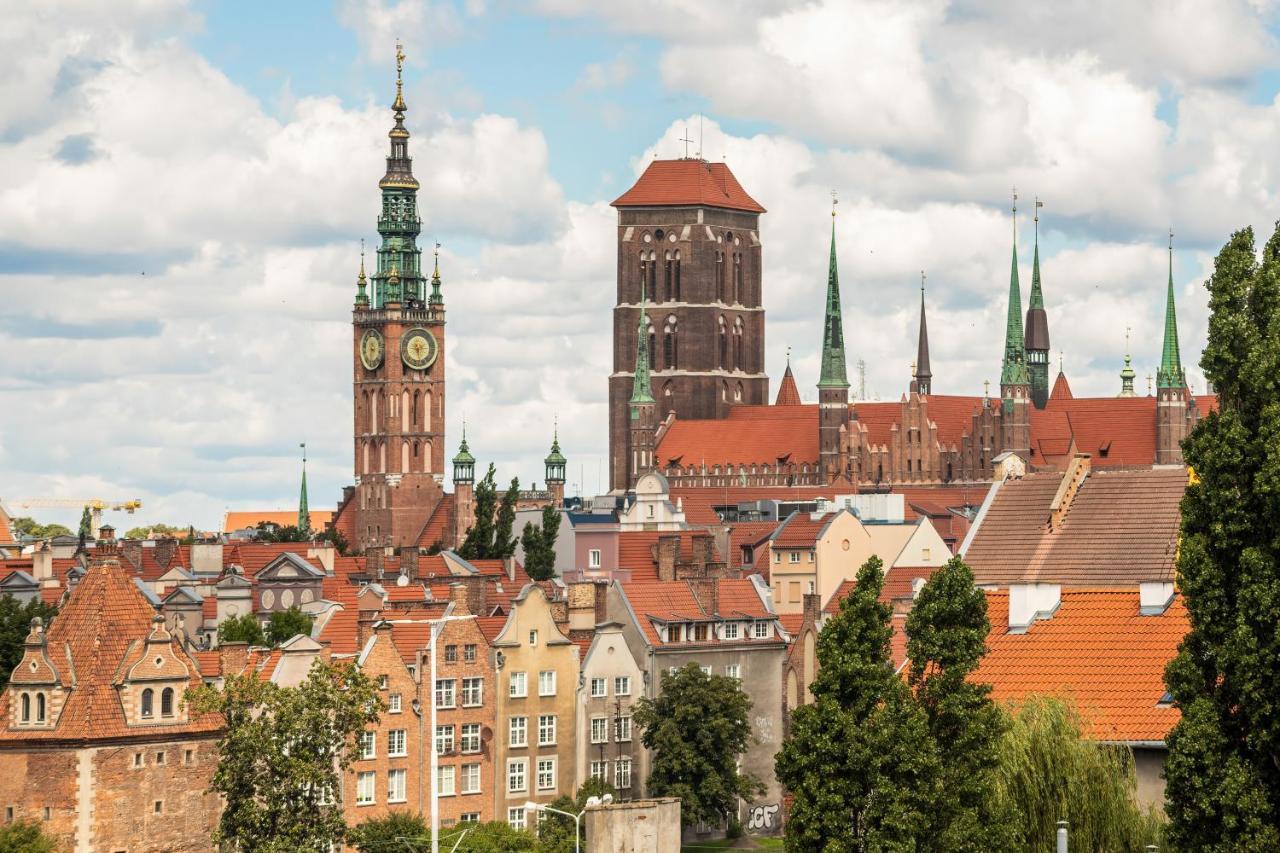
282	756
244	628
555	833
271	532
490	537
29	527
697	729
26	836
15	624
391	833
539	544
153	531
287	624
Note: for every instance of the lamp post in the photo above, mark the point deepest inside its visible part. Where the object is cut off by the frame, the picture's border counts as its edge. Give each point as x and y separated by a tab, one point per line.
437	625
531	806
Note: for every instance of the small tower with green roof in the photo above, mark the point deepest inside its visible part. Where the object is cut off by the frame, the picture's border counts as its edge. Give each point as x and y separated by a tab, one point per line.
833	383
304	511
1127	372
464	480
644	408
555	466
1015	382
1175	412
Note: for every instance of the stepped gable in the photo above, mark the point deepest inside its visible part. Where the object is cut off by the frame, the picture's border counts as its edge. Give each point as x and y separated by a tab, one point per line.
688	183
1120	529
1095	650
105	620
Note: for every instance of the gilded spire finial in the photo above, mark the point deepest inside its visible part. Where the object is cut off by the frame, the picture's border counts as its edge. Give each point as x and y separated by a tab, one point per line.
1015	215
362	296
399	106
362	277
834	202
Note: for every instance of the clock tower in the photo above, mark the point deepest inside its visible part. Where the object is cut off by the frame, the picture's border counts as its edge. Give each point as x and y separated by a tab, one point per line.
398	336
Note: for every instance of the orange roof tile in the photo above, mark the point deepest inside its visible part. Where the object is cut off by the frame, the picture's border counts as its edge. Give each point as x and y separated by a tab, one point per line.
682	183
1061	388
788	393
1096	650
238	520
759	435
898	583
674	601
792	622
800	530
747	534
436	528
6	532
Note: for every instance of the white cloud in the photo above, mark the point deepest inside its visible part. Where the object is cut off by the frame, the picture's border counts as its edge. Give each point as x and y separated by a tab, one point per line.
378	24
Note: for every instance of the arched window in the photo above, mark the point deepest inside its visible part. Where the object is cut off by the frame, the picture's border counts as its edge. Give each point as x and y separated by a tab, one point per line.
166	702
737	343
26	708
720	276
668	277
670	349
653	274
737	277
666	393
414	414
39	707
382	457
653	348
724	391
426	457
404	457
404	410
724	345
364	469
148	702
737	393
677	276
426	412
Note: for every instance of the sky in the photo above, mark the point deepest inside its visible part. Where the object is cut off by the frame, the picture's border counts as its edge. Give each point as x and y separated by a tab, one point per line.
184	187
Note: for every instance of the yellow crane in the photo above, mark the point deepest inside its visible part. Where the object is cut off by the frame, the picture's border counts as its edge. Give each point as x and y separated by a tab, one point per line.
96	506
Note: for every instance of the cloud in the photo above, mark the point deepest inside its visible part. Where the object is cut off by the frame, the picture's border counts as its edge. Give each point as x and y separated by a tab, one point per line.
379	24
604	75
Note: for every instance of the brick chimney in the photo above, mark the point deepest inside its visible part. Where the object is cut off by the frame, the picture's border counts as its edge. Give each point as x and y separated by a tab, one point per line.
458	595
132	551
584	605
707	592
704	549
477	593
165	550
234	656
373	563
668	555
812	607
409	562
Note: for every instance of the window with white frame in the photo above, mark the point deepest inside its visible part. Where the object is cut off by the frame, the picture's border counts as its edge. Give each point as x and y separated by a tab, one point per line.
624	729
533	637
396	743
444	739
809	557
515	818
599	687
733	670
444	781
793	556
622	773
546	774
777	556
393	703
368	744
600	770
469	653
469	817
470	741
593	558
517	768
547	682
472	692
365	783
471	778
730	630
518	685
395	786
599	730
622	685
706	670
761	630
546	729
518	731
445	693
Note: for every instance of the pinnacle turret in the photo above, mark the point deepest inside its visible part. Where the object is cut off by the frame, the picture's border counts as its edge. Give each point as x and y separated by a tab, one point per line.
924	376
304	511
1013	371
833	374
1127	372
1036	336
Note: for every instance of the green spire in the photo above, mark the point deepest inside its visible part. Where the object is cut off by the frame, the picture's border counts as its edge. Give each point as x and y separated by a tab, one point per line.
436	298
833	368
362	295
1014	368
1170	374
641	391
304	513
464	453
1127	373
555	457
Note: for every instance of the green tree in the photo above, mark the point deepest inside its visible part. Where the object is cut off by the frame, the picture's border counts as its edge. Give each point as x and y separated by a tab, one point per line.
386	833
26	836
1223	768
504	542
28	527
282	755
555	832
335	537
86	524
495	837
269	531
244	628
539	544
157	530
697	729
946	638
859	762
479	538
287	624
1049	771
15	624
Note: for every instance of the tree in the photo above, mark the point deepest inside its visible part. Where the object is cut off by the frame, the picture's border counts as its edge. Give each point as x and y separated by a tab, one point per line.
1223	768
946	638
86	525
539	544
496	837
287	624
555	832
479	538
155	531
384	833
1049	771
504	542
282	755
26	836
859	763
697	728
335	538
15	624
244	628
29	528
269	531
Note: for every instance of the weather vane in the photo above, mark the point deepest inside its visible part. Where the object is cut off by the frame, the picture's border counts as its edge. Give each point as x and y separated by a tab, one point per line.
834	201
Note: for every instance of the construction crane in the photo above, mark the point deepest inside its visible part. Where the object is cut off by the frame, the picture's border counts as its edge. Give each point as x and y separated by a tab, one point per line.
96	506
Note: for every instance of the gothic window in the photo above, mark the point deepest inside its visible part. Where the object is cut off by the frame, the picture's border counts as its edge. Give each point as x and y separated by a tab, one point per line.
364	468
724	391
677	276
166	702
426	414
426	458
670	350
416	397
404	410
39	707
382	457
737	393
668	277
26	708
737	344
404	457
373	412
720	276
724	345
644	274
148	701
653	348
737	278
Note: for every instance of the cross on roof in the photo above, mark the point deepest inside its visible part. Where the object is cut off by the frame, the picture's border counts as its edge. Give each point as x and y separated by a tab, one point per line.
686	140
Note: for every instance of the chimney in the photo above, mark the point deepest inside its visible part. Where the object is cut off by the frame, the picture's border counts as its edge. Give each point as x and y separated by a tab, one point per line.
409	562
707	592
509	566
668	554
234	656
458	595
106	532
477	592
704	550
812	607
42	562
373	563
165	549
1072	479
1031	601
582	606
1154	597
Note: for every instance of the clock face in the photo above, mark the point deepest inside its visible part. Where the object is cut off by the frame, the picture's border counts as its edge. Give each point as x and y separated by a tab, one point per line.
371	349
419	349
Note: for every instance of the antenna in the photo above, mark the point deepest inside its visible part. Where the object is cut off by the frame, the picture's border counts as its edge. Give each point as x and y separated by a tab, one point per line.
699	136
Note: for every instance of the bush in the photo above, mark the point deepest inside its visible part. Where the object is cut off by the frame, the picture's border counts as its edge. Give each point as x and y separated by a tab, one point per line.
381	834
26	836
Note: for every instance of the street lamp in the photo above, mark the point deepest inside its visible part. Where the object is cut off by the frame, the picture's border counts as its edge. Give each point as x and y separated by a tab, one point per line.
577	818
437	625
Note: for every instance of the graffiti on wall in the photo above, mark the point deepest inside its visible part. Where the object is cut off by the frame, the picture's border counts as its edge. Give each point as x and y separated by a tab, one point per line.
763	818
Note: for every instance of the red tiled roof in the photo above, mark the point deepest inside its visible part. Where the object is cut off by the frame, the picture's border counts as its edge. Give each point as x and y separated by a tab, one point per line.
747	533
238	520
788	393
674	601
1120	528
792	623
435	529
210	663
51	594
759	435
800	530
681	183
491	626
636	553
1096	650
898	582
1061	388
6	534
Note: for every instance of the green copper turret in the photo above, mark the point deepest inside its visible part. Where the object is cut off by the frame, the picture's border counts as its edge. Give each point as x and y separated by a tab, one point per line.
398	223
1170	373
833	361
1013	371
304	512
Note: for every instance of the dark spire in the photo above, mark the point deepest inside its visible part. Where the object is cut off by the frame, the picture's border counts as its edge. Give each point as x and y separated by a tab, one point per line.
1170	374
362	283
399	164
436	297
788	393
924	375
833	367
1036	338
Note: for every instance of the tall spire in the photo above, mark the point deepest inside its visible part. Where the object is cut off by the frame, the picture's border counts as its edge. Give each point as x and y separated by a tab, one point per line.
362	283
1036	338
641	391
833	367
398	222
1170	374
1013	371
924	375
304	512
1127	373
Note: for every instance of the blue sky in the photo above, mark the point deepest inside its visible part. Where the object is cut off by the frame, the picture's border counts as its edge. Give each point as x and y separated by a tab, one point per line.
181	227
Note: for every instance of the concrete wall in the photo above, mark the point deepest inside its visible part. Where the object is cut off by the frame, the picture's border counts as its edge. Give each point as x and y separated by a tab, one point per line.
1149	765
565	549
641	826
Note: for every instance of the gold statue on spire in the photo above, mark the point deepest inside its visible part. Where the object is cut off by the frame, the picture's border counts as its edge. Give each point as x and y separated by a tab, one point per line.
399	106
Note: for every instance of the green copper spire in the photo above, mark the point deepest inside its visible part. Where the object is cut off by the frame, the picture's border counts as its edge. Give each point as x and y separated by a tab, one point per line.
1170	374
555	457
641	391
1037	297
304	513
833	367
436	298
398	223
1014	369
1127	373
362	295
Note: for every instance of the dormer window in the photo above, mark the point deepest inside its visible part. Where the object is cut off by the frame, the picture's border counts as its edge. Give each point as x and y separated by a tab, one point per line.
148	703
166	702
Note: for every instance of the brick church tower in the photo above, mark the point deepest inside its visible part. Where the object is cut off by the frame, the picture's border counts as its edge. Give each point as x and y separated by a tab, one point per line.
833	382
689	244
399	388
